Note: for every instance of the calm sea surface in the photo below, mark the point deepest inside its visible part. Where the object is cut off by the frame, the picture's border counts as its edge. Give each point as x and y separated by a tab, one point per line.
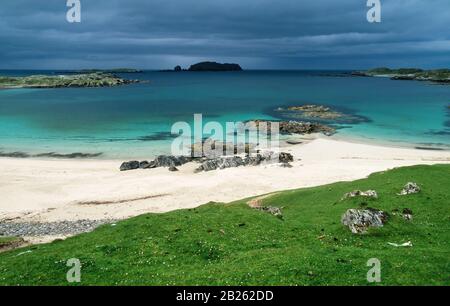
135	120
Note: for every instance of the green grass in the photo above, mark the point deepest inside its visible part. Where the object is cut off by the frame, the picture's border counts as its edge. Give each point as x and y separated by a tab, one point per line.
232	244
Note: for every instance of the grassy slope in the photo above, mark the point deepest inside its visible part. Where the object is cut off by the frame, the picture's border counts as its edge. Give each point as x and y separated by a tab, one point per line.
234	245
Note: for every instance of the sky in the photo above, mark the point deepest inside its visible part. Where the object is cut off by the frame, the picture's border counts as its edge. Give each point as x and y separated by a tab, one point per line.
257	34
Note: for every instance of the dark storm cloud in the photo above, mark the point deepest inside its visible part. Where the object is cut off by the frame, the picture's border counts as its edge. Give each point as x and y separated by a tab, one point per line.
255	33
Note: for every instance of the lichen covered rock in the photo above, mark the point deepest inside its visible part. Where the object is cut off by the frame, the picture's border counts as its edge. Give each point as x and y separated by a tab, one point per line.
358	221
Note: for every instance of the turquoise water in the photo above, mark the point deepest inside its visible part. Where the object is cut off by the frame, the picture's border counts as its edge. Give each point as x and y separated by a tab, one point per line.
134	120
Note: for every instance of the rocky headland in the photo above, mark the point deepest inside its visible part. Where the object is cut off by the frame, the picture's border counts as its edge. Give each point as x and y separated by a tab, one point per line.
440	76
95	79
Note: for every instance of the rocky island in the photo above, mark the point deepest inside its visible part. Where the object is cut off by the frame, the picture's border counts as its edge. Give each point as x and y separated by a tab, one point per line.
96	79
441	76
208	66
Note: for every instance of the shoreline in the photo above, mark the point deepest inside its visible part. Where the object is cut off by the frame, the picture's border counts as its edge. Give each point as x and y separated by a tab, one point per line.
50	190
103	156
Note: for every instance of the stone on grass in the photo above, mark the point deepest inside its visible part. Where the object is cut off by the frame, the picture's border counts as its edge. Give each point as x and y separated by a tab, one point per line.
410	188
359	193
358	221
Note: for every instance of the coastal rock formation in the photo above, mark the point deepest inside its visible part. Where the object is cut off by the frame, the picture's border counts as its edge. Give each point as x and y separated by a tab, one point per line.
410	188
64	81
211	148
358	221
131	165
358	193
170	161
441	76
297	127
237	161
318	113
209	164
213	66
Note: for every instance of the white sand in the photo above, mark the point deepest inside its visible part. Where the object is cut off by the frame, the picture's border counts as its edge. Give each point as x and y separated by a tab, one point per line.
53	190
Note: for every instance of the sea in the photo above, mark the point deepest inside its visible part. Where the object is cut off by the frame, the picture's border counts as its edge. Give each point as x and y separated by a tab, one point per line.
134	121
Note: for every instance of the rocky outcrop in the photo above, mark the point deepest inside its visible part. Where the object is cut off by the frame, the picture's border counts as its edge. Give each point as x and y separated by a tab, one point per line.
211	149
298	127
358	193
96	79
131	165
318	113
359	221
441	76
237	161
410	188
213	66
209	164
276	211
50	155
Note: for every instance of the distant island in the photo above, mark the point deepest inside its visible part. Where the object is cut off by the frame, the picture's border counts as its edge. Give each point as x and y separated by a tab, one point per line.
441	76
208	66
96	79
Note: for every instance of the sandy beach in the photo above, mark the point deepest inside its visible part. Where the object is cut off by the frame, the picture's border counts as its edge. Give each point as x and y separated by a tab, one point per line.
56	190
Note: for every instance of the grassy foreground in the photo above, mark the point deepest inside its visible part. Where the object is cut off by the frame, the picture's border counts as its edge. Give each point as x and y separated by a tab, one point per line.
233	244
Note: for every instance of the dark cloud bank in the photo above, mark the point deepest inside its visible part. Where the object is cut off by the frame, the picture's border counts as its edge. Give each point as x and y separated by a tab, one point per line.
285	34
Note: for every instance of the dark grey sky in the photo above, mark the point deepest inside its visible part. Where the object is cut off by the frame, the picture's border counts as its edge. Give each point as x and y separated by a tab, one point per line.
286	34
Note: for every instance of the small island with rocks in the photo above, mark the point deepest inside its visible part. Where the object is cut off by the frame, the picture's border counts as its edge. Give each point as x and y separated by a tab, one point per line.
441	76
95	79
207	67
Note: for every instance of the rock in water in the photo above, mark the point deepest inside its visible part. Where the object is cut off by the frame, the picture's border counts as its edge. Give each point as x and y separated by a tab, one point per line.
131	165
358	221
359	193
410	188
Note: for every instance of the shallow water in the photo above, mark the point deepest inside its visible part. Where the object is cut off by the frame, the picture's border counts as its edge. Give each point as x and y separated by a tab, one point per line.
135	120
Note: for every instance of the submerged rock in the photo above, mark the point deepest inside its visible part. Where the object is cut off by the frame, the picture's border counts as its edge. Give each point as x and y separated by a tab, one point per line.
318	113
298	127
410	188
358	221
358	193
